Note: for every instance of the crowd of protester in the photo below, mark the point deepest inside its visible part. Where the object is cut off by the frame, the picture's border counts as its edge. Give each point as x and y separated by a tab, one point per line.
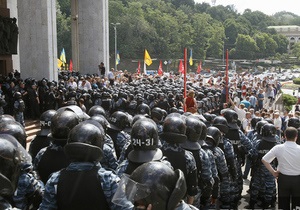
215	138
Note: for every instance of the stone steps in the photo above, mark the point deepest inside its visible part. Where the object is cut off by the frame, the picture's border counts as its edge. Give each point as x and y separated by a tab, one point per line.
31	128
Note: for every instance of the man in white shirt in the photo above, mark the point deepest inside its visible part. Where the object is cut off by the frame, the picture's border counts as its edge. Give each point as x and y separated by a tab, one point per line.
288	170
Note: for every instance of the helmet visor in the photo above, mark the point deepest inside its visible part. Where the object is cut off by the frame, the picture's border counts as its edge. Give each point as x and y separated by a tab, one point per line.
129	191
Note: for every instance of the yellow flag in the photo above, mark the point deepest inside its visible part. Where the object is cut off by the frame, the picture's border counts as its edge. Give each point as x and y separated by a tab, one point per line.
147	58
59	63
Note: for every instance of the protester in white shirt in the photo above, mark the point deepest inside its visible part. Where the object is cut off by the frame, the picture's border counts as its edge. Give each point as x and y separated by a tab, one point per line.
288	170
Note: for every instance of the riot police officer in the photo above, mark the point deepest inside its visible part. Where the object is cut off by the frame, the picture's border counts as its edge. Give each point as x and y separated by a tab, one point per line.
10	157
94	186
263	182
205	179
144	141
226	146
41	140
153	186
118	122
53	158
173	134
213	137
241	144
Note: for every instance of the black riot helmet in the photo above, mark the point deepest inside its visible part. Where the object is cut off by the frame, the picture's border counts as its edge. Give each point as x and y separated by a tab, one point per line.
144	139
143	109
119	121
102	120
15	129
17	95
12	156
259	125
45	122
7	118
138	117
293	122
157	113
96	110
232	118
268	132
193	133
62	123
174	130
213	136
221	123
76	109
254	121
151	183
85	143
204	130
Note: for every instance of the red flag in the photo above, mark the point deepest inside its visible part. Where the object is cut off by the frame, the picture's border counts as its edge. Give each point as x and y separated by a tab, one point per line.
181	67
71	66
160	70
199	67
139	68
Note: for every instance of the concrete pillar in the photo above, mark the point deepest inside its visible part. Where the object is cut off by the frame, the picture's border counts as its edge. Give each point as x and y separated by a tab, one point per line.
12	5
90	41
38	39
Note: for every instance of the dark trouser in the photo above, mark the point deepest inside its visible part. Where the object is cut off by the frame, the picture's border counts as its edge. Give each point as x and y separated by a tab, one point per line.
288	188
112	82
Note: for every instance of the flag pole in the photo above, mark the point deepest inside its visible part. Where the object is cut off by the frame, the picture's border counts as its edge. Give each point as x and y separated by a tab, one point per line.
145	70
184	75
226	78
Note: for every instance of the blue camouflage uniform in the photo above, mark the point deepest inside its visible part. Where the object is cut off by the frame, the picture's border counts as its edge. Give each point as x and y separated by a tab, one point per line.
214	171
262	185
5	205
28	185
109	160
185	206
205	180
191	170
223	176
244	146
122	139
231	161
125	150
109	182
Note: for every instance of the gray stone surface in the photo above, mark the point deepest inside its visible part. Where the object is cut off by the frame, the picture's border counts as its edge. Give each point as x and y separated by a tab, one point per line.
90	35
12	5
37	38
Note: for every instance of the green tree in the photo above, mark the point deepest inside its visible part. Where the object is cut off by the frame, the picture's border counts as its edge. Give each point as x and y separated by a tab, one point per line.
63	33
245	47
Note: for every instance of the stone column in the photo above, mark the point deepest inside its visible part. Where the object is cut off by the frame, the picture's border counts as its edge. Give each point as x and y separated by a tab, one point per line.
38	39
90	41
12	5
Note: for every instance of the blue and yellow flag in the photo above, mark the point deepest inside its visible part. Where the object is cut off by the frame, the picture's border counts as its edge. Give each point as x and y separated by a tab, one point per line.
63	57
191	57
118	58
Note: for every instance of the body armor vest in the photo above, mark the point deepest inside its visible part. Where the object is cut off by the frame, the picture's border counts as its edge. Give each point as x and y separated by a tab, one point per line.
80	190
51	161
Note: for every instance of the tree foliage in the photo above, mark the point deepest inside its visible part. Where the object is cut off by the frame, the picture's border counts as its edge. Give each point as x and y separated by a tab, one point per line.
166	27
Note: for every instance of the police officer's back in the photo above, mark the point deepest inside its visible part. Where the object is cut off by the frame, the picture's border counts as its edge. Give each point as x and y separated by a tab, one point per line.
53	158
83	184
173	134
